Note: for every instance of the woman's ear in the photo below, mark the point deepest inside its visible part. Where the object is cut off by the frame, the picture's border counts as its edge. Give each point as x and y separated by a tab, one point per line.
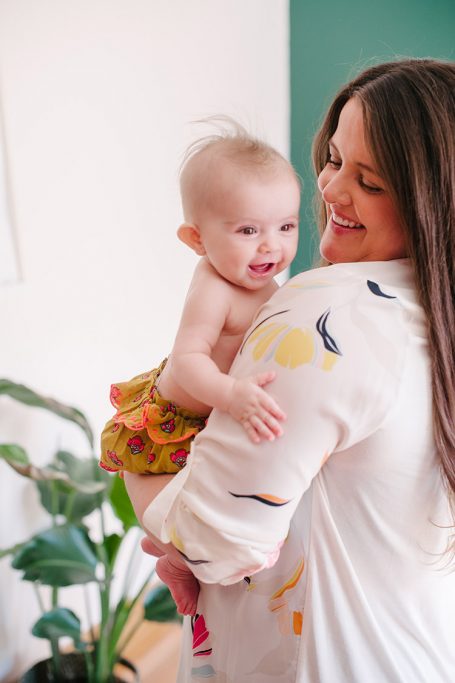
191	236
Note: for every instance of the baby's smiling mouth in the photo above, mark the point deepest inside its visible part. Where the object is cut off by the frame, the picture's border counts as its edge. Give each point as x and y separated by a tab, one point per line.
261	268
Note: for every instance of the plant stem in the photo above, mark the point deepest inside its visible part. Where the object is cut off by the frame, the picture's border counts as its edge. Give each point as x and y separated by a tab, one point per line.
54	591
130	565
56	661
55	653
54	597
89	615
69	504
142	588
129	635
54	502
89	666
102	650
121	618
39	597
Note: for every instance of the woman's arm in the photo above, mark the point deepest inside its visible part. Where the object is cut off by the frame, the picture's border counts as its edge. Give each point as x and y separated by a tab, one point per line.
229	511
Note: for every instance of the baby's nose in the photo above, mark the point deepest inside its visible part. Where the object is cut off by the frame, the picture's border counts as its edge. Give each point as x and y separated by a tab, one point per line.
268	245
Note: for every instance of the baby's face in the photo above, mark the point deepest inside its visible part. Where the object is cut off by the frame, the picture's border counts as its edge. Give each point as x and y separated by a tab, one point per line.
249	225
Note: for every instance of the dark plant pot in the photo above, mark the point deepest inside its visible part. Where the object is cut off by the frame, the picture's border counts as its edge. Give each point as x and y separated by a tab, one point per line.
72	669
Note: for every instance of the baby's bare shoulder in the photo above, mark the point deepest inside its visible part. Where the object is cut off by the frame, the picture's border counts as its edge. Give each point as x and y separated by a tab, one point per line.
208	294
239	304
206	279
244	304
206	273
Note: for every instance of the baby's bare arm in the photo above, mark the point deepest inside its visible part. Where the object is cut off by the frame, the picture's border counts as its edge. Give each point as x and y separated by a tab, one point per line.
204	318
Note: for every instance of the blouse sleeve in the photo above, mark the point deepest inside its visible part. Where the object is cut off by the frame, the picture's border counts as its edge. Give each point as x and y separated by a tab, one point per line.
337	347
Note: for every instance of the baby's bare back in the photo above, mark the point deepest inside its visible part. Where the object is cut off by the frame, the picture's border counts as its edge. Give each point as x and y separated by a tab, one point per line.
215	317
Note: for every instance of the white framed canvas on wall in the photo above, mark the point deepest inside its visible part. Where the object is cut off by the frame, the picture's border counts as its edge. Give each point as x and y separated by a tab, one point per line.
9	270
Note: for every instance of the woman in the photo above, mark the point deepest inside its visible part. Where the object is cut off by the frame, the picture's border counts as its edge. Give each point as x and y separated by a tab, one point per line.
355	498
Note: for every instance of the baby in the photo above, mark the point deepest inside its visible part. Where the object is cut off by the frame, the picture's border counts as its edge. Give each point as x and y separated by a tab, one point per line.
240	202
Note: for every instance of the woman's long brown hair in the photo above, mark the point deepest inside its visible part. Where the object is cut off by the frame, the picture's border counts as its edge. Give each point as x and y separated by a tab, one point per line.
409	116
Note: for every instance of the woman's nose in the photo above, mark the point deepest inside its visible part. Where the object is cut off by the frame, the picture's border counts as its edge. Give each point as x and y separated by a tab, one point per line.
334	190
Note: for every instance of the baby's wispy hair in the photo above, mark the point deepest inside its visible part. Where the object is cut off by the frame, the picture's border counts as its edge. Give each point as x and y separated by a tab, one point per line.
234	142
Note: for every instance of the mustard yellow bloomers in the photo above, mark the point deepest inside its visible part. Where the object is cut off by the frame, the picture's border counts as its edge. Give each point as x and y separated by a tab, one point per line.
148	433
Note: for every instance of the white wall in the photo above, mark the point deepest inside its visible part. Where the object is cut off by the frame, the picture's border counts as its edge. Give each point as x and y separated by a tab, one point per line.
97	96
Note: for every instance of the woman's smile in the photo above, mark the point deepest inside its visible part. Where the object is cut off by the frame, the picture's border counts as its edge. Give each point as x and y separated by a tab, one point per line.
340	220
363	223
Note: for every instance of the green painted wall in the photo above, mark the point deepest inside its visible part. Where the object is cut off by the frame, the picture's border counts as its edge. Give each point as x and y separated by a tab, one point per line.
331	41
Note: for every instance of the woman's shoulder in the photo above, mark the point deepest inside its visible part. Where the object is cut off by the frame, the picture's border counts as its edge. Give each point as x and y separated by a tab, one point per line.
368	285
354	305
395	274
344	332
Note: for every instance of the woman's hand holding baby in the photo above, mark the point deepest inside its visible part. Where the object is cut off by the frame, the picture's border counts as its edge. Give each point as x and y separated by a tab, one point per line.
255	409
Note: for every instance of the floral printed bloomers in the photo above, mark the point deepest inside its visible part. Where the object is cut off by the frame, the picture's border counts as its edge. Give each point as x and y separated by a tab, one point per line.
148	434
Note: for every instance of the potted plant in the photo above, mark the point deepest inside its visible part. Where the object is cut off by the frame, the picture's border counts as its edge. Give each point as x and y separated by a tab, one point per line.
70	552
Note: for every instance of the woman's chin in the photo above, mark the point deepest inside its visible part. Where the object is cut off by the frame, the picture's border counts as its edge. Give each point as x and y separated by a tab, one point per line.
331	254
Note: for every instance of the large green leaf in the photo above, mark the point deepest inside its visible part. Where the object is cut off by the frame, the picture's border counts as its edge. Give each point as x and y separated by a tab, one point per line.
52	474
160	606
121	504
12	550
57	623
61	556
31	398
111	545
13	454
81	489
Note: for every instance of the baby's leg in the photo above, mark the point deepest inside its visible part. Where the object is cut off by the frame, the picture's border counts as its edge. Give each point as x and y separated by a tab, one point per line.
184	588
143	488
181	582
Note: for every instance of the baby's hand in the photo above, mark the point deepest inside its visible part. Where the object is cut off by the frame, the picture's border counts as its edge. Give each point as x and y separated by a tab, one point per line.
255	409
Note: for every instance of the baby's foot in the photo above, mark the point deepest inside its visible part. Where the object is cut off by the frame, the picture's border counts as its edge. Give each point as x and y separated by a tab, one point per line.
150	548
181	582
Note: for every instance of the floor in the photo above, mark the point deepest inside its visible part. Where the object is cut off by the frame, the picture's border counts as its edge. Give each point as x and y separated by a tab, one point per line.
154	650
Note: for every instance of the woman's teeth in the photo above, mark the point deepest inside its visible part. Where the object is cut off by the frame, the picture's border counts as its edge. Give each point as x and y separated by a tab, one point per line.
344	222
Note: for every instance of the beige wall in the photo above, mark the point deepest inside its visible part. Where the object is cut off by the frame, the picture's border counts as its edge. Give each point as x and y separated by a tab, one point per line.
97	96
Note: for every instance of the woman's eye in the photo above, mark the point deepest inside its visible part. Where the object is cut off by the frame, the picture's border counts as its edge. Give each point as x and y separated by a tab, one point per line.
333	162
374	189
248	230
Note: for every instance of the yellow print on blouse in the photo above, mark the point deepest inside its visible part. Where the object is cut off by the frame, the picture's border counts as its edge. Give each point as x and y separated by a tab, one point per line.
309	284
292	346
289	621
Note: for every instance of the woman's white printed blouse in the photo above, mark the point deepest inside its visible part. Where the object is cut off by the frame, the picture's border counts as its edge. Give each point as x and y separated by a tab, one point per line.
321	553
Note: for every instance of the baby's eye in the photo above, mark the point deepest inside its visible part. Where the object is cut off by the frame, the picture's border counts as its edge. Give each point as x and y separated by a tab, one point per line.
287	227
248	230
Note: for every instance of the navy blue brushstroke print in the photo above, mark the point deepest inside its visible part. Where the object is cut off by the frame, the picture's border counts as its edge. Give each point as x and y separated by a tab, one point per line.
329	342
375	289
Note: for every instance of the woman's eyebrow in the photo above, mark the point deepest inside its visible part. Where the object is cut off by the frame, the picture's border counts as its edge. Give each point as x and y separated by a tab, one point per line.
358	163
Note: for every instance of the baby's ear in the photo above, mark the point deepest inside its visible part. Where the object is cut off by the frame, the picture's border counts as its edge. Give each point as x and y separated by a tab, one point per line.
191	236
